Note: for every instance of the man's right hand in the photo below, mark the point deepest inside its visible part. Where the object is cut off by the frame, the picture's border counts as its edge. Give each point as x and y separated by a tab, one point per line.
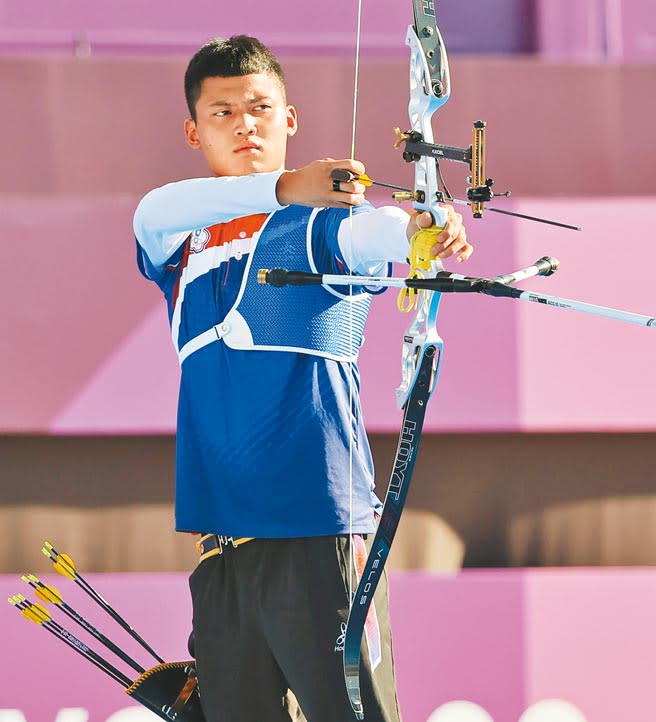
313	186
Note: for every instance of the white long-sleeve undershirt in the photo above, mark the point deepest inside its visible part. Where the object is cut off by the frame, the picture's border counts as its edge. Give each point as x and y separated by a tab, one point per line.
167	215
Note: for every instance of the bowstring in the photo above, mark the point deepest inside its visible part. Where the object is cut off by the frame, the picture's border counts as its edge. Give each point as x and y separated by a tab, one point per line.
353	428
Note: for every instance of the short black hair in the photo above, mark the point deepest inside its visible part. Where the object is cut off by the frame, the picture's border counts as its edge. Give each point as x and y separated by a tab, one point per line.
238	55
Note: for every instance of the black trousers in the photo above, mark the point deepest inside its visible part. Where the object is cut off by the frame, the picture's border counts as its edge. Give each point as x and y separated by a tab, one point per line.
269	618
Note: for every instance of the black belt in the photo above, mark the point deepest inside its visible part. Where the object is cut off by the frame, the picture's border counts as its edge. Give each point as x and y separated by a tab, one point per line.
209	545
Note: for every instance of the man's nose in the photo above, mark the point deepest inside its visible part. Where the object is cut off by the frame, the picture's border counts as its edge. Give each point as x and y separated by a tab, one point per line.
246	125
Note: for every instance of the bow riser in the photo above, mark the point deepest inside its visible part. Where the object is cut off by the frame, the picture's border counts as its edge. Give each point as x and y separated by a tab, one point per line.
430	89
419	335
423	103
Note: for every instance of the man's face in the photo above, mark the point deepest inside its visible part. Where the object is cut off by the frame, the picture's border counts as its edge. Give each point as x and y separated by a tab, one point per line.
242	124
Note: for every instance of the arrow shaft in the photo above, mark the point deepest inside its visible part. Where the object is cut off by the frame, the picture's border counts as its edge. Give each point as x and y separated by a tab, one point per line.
82	649
88	627
68	569
518	215
116	616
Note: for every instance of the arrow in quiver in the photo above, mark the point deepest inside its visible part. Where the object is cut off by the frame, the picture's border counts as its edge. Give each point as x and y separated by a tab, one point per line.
170	689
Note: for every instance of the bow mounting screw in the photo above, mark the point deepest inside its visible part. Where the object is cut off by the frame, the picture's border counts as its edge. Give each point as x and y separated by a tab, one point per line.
437	89
427	31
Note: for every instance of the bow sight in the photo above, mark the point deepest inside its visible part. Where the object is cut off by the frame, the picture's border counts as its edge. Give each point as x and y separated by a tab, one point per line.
480	187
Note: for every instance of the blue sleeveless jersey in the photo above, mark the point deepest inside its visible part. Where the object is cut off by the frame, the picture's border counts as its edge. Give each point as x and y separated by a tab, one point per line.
309	318
266	438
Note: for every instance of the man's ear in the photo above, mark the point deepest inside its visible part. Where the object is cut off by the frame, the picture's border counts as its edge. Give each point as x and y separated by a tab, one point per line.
292	120
191	134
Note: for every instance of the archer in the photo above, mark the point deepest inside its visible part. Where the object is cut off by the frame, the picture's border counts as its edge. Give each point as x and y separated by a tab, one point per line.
273	466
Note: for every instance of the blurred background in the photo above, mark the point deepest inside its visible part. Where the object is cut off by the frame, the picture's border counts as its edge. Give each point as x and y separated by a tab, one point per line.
539	447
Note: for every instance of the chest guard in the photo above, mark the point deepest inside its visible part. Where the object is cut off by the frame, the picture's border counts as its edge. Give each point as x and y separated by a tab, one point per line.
311	319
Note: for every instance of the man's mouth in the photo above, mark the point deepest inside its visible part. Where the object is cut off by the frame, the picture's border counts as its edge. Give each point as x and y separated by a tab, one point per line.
246	147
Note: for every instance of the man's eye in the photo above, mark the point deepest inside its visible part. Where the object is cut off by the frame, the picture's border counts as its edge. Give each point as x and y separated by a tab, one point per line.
222	113
263	106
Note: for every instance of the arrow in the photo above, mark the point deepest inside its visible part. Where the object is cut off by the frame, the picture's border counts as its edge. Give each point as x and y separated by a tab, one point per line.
346	176
48	593
168	689
64	565
341	174
39	615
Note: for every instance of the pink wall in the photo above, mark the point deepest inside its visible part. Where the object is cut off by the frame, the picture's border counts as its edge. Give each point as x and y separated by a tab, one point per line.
554	129
129	27
504	640
596	30
589	30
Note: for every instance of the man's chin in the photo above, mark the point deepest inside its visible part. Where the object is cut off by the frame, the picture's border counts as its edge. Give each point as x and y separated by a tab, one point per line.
248	167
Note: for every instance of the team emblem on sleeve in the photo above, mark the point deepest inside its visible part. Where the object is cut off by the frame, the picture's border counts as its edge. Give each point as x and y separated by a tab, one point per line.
199	239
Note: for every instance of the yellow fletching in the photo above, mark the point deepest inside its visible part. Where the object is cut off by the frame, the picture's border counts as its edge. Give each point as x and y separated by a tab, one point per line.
61	563
65	558
36	613
65	570
41	595
47	593
365	180
40	611
29	614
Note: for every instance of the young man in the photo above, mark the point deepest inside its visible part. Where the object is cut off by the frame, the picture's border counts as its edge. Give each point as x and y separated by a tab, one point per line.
273	464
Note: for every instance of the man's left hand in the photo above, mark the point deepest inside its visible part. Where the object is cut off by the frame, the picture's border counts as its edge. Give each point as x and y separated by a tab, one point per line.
450	241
